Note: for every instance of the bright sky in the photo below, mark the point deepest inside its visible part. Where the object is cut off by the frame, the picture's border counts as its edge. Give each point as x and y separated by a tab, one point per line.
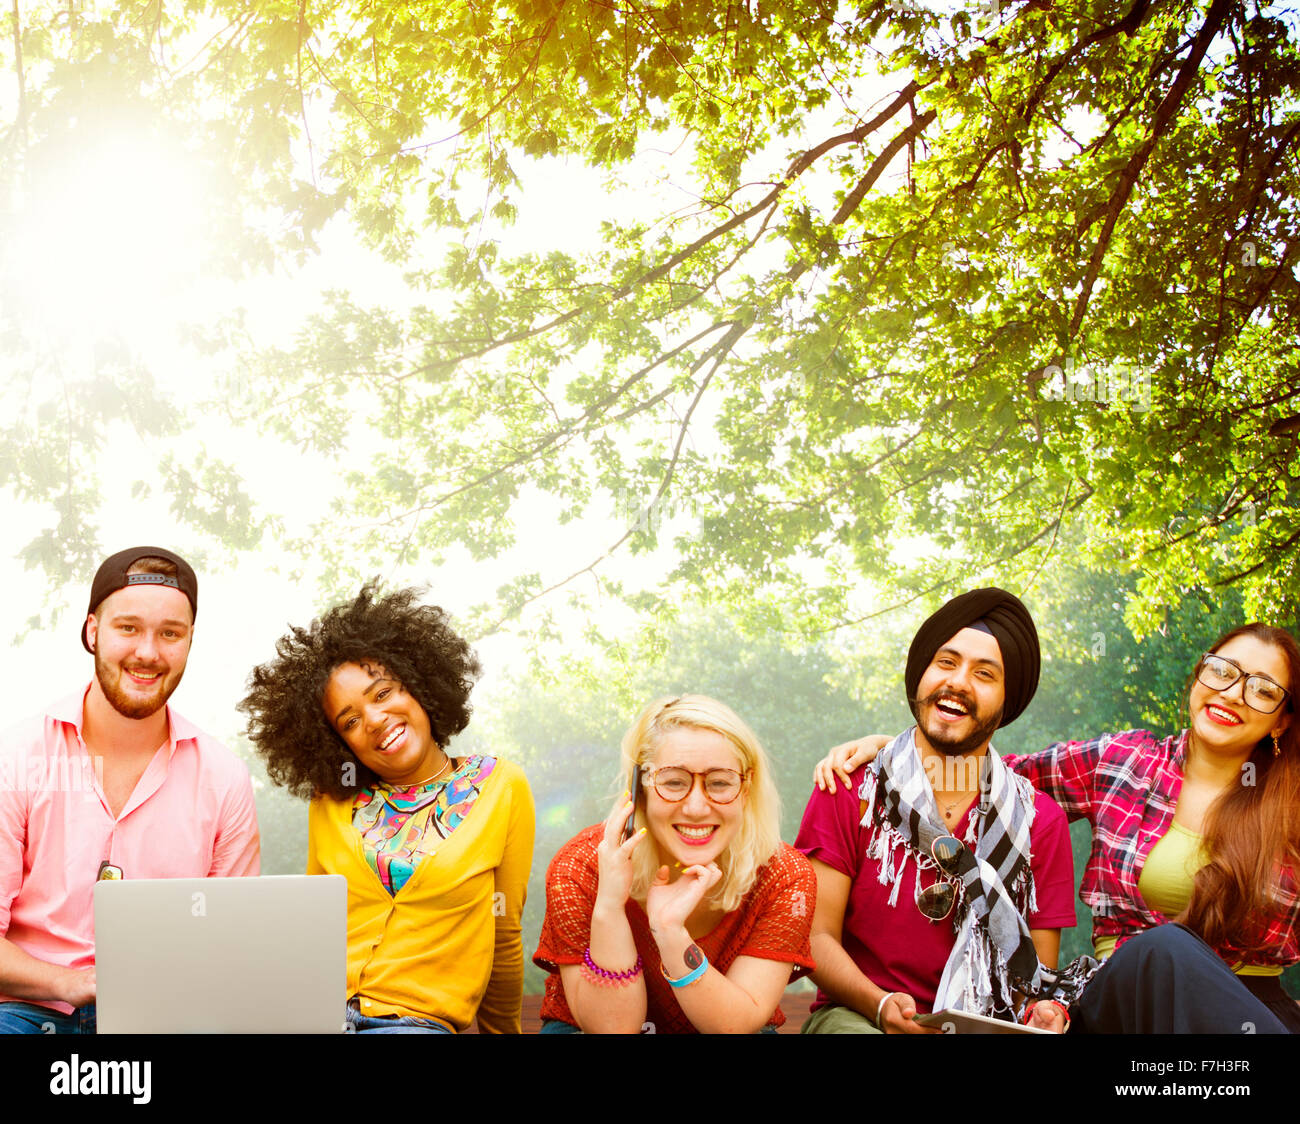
112	244
126	267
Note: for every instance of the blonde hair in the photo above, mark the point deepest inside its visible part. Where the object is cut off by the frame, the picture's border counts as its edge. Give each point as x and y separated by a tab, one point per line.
759	834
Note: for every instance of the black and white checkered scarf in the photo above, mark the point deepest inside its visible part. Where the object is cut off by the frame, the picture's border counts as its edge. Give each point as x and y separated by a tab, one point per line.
993	954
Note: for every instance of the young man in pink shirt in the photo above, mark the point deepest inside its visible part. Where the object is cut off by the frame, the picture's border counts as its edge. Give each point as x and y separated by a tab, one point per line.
110	783
943	879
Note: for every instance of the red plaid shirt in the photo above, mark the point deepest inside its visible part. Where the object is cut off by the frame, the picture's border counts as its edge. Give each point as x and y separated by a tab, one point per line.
1127	785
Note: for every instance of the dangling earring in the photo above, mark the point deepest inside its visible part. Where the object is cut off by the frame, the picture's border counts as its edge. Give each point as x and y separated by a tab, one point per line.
1277	749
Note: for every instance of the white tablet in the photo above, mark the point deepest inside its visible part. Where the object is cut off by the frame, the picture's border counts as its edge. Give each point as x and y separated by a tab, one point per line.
962	1022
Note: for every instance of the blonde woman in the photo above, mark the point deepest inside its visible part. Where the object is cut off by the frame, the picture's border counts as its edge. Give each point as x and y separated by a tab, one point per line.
694	922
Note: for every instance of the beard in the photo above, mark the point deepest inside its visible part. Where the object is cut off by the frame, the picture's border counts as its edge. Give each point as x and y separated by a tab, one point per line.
946	743
128	706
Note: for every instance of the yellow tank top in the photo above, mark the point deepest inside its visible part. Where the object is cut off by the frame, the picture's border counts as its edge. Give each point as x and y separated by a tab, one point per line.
1166	885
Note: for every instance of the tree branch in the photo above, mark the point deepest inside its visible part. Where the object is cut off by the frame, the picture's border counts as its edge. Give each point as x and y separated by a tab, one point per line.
1269	559
580	424
1129	24
1133	169
723	347
302	93
18	69
797	167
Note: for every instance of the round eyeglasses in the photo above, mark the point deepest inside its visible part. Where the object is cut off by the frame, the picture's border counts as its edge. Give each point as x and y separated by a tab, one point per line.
1261	693
674	784
936	902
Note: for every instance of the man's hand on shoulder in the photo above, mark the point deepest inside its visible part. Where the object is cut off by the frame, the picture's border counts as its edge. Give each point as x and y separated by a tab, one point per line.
843	759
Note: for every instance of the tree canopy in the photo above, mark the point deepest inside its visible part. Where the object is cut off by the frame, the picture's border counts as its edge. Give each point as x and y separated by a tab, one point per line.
989	278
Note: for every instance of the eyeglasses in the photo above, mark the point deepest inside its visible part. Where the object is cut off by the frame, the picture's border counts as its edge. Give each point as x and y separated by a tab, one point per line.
936	902
674	784
1261	693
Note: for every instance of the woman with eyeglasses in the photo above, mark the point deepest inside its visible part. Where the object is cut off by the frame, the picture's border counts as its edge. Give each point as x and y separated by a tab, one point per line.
1196	848
683	911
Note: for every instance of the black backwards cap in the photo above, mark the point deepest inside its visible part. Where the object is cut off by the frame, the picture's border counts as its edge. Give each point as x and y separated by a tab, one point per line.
112	576
994	611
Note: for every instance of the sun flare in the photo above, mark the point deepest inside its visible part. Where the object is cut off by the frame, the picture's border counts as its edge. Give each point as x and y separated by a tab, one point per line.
109	244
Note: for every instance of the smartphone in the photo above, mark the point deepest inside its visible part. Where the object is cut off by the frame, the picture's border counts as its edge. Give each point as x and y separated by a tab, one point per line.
634	790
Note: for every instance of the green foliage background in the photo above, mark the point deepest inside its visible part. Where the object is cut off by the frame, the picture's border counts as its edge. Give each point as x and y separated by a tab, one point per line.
890	299
990	275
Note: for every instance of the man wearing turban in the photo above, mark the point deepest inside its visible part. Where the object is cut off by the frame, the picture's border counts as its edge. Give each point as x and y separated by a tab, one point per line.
943	879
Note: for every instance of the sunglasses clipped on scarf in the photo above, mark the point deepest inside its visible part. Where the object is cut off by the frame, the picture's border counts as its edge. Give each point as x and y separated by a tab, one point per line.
936	902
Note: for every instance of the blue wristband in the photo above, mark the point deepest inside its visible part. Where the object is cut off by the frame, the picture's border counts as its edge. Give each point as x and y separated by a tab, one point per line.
690	976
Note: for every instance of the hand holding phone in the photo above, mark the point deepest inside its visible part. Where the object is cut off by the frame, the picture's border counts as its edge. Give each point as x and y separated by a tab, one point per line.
634	792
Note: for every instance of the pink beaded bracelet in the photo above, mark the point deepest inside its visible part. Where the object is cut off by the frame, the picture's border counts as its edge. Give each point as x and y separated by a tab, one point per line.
598	975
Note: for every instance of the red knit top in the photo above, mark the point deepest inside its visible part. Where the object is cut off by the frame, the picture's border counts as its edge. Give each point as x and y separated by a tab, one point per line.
772	922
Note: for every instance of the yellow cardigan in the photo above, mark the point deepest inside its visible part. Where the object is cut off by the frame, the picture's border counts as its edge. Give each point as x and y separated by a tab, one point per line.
449	943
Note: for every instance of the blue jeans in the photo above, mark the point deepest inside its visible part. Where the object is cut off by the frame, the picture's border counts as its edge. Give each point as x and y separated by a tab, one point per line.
1167	980
357	1023
28	1018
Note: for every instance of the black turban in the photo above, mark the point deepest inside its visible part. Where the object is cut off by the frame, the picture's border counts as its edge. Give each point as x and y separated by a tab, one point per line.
1012	627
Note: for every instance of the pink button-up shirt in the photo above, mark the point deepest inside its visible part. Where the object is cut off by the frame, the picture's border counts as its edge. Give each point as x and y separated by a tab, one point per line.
191	816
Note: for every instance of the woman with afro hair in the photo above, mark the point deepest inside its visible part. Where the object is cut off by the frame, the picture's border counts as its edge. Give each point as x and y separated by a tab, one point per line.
356	713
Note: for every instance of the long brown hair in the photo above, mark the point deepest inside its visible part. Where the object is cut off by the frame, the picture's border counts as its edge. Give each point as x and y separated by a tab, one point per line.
1251	831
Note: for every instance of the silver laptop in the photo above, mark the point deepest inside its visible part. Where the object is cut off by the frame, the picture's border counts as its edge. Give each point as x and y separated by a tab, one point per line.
221	955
